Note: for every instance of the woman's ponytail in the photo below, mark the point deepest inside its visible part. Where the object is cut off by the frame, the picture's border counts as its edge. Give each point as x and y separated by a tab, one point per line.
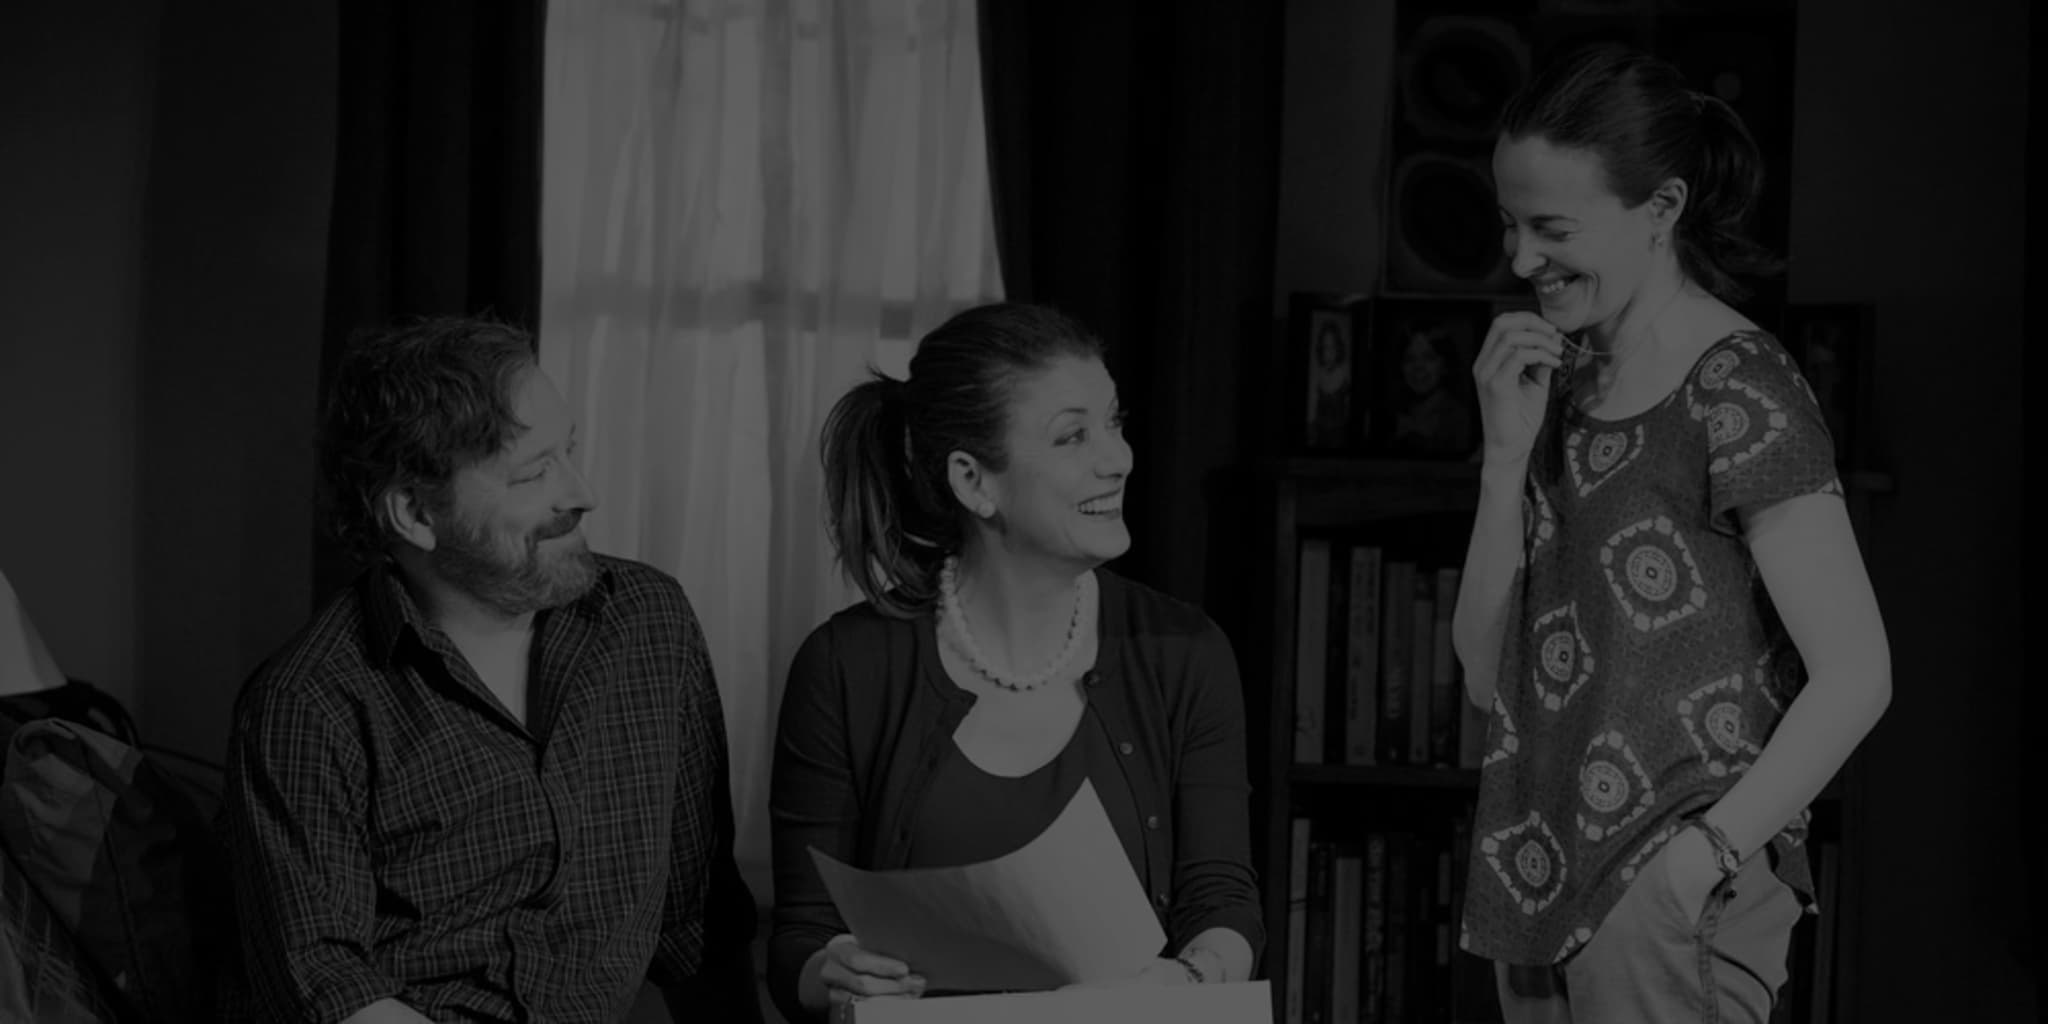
873	513
1714	243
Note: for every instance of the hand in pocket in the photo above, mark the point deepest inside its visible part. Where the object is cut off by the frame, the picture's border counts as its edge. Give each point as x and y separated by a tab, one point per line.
1690	873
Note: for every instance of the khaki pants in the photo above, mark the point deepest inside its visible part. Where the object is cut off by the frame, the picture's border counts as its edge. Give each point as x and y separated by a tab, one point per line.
1647	964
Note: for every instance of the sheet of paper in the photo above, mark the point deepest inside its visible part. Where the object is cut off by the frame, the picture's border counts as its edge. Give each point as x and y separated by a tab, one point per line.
1246	1002
25	662
1065	909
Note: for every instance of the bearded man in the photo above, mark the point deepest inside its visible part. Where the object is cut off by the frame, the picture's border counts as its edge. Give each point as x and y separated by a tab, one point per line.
488	782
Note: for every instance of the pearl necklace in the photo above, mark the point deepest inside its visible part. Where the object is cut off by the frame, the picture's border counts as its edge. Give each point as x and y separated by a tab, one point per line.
952	614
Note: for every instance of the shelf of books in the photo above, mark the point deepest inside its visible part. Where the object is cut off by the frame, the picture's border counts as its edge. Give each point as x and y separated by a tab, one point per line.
1371	753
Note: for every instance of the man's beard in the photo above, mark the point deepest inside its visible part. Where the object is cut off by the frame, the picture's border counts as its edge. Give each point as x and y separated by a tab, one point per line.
510	574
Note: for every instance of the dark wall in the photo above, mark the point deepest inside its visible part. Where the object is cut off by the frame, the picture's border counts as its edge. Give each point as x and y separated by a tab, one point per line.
1133	165
239	179
75	105
160	279
1908	190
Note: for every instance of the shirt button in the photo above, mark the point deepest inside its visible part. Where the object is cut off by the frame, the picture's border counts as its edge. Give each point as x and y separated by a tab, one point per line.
1152	822
1125	747
1159	900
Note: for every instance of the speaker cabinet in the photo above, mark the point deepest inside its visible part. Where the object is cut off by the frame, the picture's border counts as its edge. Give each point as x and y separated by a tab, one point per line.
1456	75
1445	229
1458	65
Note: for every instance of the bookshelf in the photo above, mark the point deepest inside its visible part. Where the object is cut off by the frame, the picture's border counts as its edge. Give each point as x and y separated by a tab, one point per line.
1368	815
1384	822
1382	776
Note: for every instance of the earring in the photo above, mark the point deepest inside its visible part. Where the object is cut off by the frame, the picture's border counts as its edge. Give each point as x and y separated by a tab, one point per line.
985	509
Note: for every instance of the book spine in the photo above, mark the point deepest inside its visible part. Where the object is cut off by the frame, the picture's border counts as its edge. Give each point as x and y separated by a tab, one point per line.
1361	727
1311	644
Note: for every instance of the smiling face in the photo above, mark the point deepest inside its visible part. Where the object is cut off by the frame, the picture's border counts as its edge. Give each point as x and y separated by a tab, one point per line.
1565	231
1329	345
1061	496
1421	368
507	532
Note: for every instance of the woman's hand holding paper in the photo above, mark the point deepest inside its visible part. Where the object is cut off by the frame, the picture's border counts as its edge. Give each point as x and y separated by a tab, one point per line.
844	970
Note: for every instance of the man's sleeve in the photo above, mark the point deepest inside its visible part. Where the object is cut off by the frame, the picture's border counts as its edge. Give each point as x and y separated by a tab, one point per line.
296	785
722	986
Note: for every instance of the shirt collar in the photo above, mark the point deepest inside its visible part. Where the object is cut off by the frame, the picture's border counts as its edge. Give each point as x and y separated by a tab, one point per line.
390	613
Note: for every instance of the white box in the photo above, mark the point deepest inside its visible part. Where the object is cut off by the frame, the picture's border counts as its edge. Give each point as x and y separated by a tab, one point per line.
1248	1002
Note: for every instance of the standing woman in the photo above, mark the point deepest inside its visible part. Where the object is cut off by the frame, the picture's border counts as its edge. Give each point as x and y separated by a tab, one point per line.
1664	606
995	666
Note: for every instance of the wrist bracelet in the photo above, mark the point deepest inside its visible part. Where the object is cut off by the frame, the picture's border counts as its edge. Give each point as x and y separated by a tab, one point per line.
1730	862
1195	975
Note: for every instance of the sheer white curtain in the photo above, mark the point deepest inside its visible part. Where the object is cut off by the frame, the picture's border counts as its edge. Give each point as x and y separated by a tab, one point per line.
745	204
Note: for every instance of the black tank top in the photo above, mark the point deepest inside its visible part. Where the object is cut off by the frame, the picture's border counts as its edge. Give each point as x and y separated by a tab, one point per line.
969	815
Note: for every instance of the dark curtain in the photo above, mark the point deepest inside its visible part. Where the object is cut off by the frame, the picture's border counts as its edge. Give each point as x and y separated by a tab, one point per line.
2036	285
436	206
1133	153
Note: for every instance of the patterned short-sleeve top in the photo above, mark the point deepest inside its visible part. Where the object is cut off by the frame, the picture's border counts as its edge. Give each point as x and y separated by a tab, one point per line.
1644	666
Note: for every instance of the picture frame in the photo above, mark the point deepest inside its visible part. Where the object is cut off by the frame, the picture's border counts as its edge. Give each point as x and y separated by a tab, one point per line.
1422	373
1330	346
1832	343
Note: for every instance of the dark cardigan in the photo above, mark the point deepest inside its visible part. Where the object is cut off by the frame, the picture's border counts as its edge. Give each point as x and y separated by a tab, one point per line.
869	712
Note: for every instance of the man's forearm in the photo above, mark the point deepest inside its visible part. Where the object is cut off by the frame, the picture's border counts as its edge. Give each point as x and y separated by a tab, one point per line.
726	978
723	989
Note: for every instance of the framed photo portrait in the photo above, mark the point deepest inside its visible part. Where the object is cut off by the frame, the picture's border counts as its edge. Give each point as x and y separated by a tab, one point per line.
1423	373
1832	345
1329	341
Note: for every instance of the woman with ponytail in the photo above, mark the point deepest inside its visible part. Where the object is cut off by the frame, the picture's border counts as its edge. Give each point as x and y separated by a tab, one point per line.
995	665
1664	607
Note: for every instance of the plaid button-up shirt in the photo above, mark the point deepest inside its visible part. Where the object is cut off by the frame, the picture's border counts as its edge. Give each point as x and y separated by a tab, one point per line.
396	833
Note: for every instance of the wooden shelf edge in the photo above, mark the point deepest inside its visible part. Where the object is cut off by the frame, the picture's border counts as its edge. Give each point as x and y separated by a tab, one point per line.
1364	469
1382	776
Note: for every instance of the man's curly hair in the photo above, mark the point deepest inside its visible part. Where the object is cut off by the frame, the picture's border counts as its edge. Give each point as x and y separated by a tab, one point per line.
406	408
